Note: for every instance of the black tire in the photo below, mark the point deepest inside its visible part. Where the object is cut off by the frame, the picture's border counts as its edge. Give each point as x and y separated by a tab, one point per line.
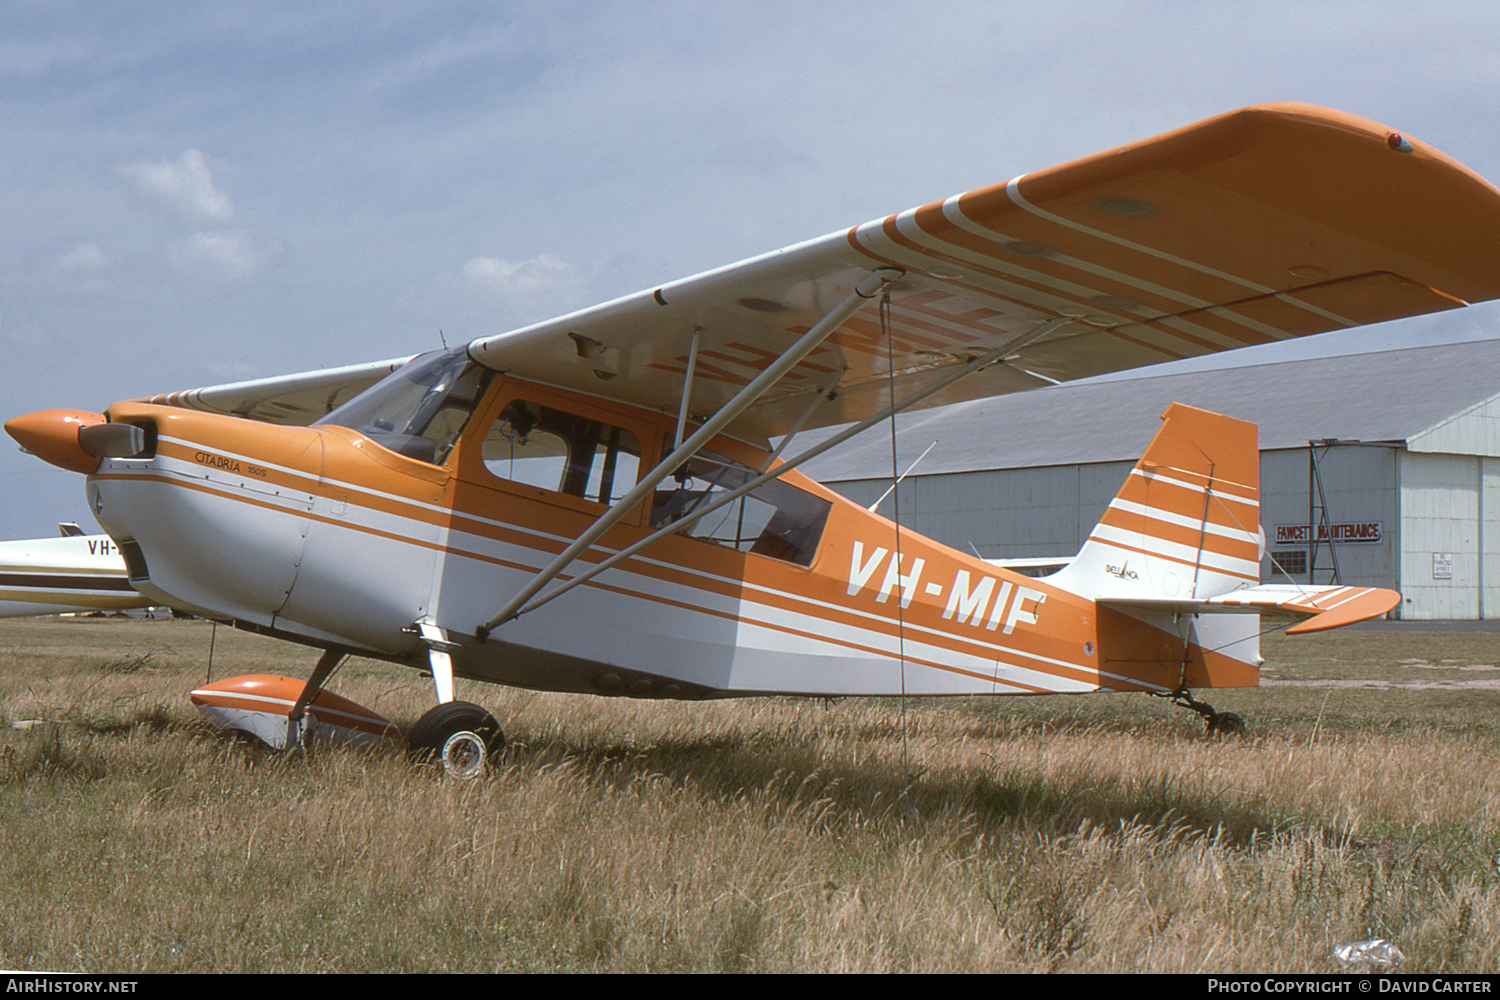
459	735
1225	724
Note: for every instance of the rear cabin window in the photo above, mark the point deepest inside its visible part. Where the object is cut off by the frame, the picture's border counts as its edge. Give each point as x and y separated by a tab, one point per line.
775	519
563	452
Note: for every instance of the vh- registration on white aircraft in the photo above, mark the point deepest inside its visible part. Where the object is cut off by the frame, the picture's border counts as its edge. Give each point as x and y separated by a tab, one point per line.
593	504
74	573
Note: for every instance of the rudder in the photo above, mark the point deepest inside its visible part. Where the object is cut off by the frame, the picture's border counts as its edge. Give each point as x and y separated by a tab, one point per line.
1186	523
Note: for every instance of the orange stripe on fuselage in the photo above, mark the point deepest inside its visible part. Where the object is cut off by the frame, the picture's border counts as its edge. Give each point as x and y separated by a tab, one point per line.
727	587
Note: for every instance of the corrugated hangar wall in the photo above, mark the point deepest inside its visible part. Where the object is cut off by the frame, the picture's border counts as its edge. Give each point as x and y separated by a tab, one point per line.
1450	544
1040	512
1046	513
1411	486
1359	500
1419	523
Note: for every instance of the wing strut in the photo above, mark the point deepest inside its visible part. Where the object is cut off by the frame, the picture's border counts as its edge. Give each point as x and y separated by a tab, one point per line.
824	392
974	365
1208	499
868	288
687	384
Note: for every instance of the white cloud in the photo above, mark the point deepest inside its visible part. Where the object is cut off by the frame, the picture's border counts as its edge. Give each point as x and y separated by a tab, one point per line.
26	335
237	370
184	185
493	291
225	254
497	276
85	258
82	270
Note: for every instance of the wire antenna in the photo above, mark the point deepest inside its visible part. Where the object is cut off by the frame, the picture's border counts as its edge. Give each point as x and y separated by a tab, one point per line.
890	353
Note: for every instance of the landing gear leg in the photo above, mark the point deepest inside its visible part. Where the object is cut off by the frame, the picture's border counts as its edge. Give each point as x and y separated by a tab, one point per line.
295	728
1219	723
458	735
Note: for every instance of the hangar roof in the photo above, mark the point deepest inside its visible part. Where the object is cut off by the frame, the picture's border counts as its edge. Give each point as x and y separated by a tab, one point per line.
1439	399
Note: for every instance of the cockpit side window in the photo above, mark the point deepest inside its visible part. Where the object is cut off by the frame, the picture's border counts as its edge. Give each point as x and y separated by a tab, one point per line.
563	452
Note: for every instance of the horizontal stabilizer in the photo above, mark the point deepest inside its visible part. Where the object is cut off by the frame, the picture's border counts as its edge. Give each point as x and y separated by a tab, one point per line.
1033	565
1321	607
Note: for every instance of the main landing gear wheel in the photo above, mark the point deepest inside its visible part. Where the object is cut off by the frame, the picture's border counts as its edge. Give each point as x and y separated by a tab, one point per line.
459	735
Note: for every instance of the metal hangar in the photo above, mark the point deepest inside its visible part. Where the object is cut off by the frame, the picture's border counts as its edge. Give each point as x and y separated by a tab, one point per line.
1380	469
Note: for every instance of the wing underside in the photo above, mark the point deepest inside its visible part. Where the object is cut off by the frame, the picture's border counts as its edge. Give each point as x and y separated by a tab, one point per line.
1260	225
295	400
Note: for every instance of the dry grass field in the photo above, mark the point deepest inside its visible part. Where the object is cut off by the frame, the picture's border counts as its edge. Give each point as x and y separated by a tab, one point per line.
1098	833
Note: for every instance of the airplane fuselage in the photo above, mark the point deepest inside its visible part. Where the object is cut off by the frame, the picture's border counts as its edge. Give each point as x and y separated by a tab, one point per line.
321	535
78	573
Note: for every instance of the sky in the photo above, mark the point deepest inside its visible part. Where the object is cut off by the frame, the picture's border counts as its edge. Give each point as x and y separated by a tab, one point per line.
199	193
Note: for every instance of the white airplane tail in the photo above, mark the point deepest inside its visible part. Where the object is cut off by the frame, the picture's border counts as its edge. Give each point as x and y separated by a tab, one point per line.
1185	527
1179	550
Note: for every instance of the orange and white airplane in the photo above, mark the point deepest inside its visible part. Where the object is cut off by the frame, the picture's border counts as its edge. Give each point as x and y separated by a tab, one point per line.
594	503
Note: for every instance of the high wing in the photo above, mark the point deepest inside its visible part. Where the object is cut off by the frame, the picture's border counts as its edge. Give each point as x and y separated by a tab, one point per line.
294	400
1271	222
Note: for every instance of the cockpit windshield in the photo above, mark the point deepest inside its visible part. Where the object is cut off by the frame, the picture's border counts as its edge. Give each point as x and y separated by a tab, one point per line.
419	409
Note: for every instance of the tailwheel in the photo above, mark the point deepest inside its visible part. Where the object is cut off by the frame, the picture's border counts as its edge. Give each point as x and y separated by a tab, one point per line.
1225	724
459	735
1219	723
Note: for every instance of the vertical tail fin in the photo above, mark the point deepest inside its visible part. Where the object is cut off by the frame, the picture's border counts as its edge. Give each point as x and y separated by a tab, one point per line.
1186	524
1173	566
1185	528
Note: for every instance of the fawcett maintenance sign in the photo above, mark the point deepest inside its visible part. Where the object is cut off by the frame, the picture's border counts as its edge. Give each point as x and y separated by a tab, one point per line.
1299	534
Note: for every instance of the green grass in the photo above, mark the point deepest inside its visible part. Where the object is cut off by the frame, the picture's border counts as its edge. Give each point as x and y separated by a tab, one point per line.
1093	833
